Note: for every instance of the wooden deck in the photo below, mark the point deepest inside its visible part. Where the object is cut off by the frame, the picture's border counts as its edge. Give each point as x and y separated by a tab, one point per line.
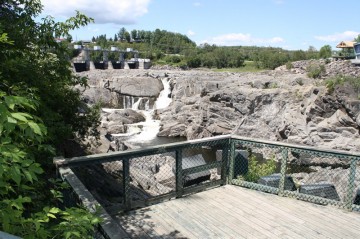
235	212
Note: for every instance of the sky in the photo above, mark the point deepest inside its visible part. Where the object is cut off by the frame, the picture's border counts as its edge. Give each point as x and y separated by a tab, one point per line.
289	24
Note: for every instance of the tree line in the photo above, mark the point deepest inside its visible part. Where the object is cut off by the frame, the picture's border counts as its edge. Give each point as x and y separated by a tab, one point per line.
166	47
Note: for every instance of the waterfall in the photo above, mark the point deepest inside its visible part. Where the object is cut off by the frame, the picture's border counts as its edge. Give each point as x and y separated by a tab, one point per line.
135	105
147	130
163	100
151	127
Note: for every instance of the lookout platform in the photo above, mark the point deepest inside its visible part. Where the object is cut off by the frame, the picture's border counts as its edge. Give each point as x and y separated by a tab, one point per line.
219	187
236	212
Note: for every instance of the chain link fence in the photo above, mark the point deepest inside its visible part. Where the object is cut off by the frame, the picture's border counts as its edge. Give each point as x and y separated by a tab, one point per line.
312	175
128	180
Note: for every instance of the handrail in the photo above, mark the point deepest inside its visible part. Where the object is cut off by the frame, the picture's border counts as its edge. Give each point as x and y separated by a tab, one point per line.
132	153
230	145
113	156
298	146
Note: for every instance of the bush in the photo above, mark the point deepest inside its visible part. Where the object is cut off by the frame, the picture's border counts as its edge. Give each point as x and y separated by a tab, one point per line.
256	170
315	71
341	80
39	111
173	59
194	62
289	65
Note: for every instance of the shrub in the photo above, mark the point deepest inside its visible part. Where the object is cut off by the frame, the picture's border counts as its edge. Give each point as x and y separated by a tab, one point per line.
173	59
256	170
315	71
340	80
194	62
289	65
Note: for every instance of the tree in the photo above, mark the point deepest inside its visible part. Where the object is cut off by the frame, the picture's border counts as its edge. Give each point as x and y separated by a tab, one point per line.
121	34
325	51
134	34
69	38
39	111
357	39
115	38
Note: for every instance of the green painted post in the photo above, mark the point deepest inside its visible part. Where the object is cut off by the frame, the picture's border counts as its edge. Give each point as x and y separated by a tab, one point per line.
231	161
283	171
225	163
351	186
179	174
126	184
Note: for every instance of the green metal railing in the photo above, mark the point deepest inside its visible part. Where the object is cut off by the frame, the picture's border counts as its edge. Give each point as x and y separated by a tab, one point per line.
154	174
318	175
137	178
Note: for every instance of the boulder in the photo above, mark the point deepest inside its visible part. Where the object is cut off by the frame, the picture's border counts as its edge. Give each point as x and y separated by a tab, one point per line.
136	86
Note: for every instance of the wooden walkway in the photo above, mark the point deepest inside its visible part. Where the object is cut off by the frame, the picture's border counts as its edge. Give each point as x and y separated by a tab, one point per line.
235	212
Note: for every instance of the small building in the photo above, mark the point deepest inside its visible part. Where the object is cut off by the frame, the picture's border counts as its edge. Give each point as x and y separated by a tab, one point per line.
346	50
356	61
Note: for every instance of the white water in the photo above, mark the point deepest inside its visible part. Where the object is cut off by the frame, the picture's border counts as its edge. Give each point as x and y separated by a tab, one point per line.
163	100
147	130
151	127
135	106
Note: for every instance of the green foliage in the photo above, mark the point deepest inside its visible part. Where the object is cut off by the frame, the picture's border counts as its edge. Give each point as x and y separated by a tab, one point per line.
214	56
194	62
173	58
357	39
39	109
341	80
289	65
257	170
315	70
269	59
325	51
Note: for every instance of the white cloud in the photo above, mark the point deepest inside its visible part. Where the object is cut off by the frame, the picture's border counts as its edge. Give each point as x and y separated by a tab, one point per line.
337	37
234	39
110	11
197	4
190	33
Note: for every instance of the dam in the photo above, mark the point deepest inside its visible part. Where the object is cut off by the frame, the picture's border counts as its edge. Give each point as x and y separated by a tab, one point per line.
98	58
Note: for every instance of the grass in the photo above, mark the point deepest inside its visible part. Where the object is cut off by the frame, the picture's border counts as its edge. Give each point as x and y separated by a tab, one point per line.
249	66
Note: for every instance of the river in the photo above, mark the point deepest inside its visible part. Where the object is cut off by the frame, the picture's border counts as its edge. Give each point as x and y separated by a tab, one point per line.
145	133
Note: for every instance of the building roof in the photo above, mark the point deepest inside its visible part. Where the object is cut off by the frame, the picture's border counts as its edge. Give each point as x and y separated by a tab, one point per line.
345	44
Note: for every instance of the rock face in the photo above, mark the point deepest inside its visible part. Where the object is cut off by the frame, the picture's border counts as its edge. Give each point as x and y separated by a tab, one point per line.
108	86
278	105
273	105
332	67
281	105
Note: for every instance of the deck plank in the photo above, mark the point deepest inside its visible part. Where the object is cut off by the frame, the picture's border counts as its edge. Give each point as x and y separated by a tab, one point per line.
236	212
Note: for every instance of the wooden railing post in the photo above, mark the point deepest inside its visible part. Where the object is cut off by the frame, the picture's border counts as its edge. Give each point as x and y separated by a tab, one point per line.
351	185
126	183
179	173
284	158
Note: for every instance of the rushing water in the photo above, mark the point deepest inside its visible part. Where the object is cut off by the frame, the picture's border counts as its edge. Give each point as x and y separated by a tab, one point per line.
144	133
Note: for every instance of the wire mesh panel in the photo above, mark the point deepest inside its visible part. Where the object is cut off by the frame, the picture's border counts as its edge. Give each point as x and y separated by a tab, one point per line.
356	201
105	182
152	176
312	175
200	164
325	176
259	164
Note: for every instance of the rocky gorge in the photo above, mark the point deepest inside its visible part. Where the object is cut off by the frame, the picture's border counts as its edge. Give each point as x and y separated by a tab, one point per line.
281	105
278	105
